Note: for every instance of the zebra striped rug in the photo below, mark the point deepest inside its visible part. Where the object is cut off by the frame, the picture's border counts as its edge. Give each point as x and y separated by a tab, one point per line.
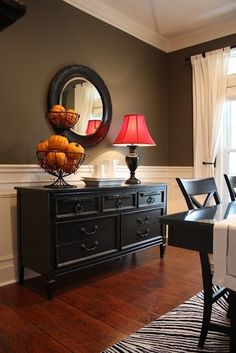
178	332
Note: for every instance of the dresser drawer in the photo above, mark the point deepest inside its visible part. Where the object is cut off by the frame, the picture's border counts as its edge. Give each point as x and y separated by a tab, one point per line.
140	227
152	197
119	201
71	231
82	246
77	205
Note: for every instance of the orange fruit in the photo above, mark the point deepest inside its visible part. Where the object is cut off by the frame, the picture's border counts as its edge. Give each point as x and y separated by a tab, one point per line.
71	117
56	159
57	142
70	166
42	146
74	150
57	108
70	110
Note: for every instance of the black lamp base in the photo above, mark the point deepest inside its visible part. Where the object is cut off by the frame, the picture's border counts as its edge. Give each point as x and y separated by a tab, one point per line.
132	161
132	180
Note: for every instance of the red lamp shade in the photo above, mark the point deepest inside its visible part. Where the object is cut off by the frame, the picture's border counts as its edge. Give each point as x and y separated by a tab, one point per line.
134	131
93	124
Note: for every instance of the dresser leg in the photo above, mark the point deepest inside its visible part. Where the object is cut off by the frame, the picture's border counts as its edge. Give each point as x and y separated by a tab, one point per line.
21	271
50	282
162	250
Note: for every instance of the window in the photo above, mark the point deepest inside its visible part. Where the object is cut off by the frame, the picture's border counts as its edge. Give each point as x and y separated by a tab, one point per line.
229	117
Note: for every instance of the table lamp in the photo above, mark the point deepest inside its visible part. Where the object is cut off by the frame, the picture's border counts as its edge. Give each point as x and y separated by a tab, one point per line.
133	133
92	126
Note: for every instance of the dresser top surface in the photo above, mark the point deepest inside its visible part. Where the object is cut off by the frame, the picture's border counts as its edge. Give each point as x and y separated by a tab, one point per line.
91	188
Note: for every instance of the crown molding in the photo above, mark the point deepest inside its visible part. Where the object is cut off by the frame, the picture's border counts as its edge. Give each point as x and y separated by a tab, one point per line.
105	13
202	35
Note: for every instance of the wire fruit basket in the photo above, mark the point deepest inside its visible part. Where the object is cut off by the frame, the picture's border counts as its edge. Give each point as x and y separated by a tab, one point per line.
62	120
60	164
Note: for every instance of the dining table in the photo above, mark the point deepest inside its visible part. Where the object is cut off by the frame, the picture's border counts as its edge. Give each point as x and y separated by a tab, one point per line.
194	230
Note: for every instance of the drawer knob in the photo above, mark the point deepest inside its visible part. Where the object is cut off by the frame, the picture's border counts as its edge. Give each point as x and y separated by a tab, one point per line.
79	208
94	231
119	203
93	247
143	235
145	221
150	199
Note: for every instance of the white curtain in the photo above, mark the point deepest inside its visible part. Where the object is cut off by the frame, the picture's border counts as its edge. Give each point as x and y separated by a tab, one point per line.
209	92
84	104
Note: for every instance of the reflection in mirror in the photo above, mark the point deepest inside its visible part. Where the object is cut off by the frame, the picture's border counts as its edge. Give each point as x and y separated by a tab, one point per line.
93	125
81	95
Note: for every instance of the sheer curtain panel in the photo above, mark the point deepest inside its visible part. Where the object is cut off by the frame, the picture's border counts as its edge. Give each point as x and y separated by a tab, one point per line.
209	92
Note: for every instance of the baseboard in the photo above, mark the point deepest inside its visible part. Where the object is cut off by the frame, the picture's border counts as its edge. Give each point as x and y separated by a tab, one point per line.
12	176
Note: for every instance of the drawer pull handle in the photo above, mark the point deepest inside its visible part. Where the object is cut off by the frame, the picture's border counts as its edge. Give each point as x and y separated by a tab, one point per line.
70	200
145	221
144	234
79	208
93	247
78	200
150	193
119	203
113	197
94	231
118	196
150	199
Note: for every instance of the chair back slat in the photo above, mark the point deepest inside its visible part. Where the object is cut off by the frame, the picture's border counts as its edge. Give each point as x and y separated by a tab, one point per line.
191	188
231	184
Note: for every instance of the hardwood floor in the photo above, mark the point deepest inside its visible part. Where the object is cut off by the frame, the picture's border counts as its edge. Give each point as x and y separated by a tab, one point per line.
96	307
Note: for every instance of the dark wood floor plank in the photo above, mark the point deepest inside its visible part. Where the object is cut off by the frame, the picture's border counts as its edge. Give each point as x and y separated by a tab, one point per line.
11	323
78	316
74	340
9	345
36	341
104	312
16	295
103	304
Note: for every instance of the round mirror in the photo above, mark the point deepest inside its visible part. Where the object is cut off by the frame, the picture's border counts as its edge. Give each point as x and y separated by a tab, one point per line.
80	88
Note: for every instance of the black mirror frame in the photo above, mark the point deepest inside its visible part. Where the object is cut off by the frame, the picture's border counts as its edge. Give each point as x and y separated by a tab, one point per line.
54	94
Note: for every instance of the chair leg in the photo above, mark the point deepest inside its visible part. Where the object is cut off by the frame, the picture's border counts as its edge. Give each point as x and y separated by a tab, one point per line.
206	318
208	292
162	250
229	308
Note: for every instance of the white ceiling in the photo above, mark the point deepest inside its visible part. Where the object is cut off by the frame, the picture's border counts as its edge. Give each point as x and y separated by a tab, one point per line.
166	24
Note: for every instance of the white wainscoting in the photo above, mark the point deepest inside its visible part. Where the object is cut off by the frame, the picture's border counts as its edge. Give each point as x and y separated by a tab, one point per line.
12	176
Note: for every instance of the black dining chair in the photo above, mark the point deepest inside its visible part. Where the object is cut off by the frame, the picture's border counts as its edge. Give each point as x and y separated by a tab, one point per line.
231	184
207	190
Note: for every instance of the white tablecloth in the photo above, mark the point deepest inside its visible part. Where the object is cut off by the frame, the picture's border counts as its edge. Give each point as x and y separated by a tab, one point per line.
224	253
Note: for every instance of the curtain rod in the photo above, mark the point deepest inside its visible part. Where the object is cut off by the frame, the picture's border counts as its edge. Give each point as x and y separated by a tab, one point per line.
187	58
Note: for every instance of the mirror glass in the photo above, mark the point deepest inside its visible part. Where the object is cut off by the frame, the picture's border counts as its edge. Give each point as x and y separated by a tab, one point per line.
82	96
82	89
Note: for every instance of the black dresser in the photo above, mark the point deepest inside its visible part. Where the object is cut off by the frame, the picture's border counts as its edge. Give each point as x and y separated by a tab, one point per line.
63	230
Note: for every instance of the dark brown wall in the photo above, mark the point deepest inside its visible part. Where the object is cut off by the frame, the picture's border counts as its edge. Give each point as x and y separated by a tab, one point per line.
140	79
180	136
54	34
